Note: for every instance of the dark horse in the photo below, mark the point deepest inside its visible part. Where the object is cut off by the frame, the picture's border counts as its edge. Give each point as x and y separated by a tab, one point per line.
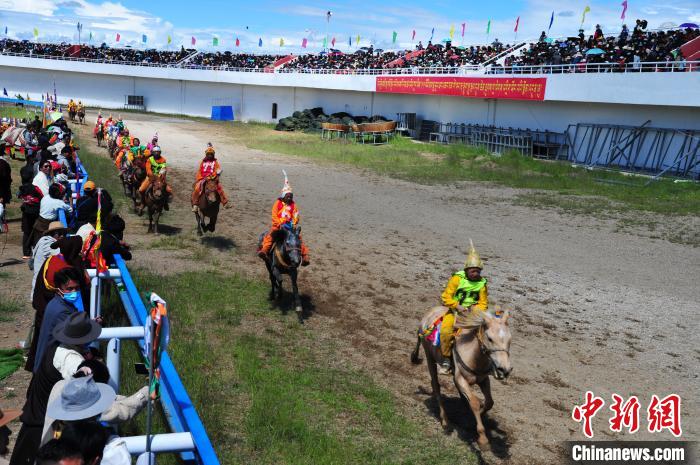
285	258
208	206
132	177
100	134
81	116
71	114
155	198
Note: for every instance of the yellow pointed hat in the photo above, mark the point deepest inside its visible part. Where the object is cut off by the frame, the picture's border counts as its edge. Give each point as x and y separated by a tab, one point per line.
473	258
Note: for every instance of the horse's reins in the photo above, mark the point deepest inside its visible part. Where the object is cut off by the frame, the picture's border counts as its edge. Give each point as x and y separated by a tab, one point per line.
484	350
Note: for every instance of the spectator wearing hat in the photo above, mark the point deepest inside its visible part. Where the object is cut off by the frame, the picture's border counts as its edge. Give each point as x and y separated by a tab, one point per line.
67	301
60	452
48	211
86	207
6	417
60	361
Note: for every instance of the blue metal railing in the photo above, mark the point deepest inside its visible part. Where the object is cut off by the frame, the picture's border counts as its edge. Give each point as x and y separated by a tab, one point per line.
180	413
30	103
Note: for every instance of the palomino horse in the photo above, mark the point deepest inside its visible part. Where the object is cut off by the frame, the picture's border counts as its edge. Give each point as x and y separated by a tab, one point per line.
155	198
208	206
81	116
285	258
481	348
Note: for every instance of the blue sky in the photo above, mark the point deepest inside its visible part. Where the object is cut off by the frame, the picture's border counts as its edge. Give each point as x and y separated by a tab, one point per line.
294	20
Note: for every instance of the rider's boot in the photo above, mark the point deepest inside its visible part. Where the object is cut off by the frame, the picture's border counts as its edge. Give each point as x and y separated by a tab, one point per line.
445	367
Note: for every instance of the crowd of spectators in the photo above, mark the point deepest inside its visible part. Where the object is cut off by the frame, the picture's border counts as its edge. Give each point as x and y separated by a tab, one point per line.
70	414
615	51
636	46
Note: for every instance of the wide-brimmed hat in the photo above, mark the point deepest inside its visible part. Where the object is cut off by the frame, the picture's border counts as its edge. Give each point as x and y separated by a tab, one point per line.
81	398
77	329
8	415
55	226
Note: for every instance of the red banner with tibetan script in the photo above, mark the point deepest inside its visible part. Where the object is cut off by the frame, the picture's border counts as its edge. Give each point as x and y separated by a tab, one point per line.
470	87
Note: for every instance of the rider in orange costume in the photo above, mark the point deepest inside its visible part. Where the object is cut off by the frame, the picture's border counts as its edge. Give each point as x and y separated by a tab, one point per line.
284	210
209	167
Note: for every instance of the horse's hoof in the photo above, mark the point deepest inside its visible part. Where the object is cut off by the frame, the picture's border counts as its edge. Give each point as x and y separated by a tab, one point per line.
298	309
484	444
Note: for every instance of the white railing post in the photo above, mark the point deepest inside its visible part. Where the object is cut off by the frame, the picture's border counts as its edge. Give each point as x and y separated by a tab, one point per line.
113	362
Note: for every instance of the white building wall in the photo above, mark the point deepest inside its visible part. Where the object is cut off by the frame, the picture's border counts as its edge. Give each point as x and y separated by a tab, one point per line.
667	99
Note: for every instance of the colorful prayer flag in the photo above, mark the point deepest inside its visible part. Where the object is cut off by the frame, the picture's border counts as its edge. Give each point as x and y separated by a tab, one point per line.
452	31
281	42
585	10
358	39
551	21
413	36
624	9
432	34
238	42
260	42
517	23
325	42
349	41
193	41
36	32
393	38
215	41
170	39
90	39
304	42
328	16
464	26
118	37
333	42
488	27
5	30
144	39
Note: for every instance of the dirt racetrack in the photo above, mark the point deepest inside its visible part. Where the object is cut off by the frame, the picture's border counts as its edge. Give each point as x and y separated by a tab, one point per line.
593	309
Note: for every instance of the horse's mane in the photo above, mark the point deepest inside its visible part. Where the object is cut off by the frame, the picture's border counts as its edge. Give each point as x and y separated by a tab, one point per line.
471	321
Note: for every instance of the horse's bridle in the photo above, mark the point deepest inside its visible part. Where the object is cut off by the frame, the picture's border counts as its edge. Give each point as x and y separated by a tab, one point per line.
484	350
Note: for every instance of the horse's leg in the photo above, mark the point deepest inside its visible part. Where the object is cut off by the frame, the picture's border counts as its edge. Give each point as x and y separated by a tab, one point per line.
295	291
150	219
212	219
199	223
475	405
156	220
485	386
435	382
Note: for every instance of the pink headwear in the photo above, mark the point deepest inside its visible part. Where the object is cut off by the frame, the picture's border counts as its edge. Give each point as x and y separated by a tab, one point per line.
287	189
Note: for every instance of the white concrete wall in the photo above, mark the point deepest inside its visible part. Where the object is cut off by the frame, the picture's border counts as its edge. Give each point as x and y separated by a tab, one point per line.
668	99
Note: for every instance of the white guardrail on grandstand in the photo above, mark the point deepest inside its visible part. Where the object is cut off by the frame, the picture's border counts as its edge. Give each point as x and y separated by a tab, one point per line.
661	66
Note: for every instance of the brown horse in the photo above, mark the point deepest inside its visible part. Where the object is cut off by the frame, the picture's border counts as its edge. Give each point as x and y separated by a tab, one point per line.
81	116
71	114
481	348
208	206
155	198
100	134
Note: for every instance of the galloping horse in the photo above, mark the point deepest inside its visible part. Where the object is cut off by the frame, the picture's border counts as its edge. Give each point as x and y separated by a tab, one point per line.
71	113
481	348
208	206
133	178
81	115
156	196
285	258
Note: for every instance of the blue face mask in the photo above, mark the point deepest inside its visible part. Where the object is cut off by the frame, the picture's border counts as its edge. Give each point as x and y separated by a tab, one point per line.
74	298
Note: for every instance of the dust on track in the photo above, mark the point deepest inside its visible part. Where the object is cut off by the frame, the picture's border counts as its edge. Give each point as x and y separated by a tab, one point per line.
594	308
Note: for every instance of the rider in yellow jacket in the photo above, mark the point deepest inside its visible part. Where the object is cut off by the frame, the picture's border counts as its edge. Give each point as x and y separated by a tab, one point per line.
466	291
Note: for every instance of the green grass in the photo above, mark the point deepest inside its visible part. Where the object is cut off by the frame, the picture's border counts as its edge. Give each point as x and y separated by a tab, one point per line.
19	112
434	163
267	394
8	308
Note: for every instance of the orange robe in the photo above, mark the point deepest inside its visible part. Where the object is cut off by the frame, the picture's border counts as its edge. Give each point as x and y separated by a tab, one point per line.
281	214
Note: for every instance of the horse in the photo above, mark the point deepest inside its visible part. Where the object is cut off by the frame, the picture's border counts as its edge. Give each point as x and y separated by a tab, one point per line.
481	348
155	199
208	206
285	258
100	134
132	180
71	113
81	115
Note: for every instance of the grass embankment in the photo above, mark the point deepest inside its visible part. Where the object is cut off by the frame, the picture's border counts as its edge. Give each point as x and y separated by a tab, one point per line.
434	163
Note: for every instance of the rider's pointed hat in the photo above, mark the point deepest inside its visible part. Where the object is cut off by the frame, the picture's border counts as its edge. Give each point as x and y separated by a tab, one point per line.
287	189
473	258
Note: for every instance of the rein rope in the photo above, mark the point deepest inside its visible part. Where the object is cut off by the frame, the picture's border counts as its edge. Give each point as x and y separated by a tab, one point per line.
484	350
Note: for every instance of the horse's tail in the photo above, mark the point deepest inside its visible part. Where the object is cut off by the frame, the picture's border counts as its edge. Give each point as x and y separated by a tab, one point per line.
415	359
